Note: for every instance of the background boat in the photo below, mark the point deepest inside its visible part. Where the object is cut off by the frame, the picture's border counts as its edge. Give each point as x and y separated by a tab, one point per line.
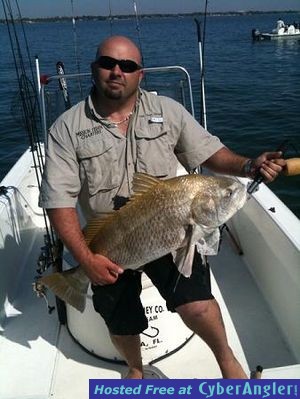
282	31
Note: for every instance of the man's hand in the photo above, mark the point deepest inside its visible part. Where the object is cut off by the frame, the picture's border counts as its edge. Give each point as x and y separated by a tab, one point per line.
100	270
269	165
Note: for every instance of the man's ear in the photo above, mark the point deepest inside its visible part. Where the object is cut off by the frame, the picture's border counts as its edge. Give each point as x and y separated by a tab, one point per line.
142	74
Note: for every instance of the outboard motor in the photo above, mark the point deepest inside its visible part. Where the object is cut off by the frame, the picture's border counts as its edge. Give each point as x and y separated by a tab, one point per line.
255	34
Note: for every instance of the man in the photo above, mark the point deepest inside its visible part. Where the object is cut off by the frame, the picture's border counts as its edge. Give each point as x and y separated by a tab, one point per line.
280	24
93	151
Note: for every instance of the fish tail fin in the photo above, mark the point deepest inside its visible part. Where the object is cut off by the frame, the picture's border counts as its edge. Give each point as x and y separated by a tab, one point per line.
70	286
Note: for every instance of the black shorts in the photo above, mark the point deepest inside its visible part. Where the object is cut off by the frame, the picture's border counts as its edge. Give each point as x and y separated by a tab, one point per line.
120	306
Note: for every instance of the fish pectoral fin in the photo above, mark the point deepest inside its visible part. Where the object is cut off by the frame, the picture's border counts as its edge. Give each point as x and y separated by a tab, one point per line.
209	243
142	182
184	256
70	286
184	260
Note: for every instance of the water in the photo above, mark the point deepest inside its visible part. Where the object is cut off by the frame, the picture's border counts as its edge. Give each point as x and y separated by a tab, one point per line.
253	91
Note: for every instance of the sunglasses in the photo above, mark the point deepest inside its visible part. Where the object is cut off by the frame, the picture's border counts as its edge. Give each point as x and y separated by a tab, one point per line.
127	66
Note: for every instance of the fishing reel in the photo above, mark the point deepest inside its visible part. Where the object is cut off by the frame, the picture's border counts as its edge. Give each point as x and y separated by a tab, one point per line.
45	259
40	291
49	256
292	168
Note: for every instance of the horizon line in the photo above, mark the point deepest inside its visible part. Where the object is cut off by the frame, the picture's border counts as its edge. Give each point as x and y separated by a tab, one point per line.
157	14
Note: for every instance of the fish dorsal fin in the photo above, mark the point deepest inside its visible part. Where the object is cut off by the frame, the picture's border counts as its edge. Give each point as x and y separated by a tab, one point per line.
142	182
93	226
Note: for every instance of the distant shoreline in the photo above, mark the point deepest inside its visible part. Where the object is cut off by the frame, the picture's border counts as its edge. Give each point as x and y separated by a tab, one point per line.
144	16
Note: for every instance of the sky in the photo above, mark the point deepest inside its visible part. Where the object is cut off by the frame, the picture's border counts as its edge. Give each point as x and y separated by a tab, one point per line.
50	8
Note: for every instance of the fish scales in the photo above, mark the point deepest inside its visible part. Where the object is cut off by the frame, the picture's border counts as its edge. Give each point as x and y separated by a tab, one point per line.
163	216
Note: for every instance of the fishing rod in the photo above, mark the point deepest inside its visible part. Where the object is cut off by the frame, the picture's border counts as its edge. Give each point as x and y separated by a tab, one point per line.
30	108
60	68
203	120
201	42
27	89
76	48
292	168
201	46
110	18
138	29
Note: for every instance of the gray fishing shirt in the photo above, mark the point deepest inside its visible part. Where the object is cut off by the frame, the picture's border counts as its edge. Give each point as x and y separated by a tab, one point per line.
89	160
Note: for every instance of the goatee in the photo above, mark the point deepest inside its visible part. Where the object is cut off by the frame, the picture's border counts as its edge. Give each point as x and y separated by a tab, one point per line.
112	94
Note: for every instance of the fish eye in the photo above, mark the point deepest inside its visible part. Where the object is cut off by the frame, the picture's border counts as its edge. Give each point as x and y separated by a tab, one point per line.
229	193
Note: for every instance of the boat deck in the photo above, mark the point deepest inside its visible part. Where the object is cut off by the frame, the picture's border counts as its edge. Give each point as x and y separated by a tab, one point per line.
40	359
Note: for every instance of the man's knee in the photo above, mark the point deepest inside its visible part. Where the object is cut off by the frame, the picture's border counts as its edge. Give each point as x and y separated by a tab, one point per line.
195	309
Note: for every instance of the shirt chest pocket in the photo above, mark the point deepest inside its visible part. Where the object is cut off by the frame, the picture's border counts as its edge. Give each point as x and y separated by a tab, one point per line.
98	162
153	150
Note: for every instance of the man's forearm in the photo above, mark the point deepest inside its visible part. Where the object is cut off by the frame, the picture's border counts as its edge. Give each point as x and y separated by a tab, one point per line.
66	224
268	164
227	162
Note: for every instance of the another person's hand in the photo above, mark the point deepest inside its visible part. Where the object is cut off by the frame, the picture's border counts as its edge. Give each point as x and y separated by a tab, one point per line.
269	165
101	271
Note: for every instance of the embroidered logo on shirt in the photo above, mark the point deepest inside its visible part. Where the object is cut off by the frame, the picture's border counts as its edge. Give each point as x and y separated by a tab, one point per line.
156	119
85	134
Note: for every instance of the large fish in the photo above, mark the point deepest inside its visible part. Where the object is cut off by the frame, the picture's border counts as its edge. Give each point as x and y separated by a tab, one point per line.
163	216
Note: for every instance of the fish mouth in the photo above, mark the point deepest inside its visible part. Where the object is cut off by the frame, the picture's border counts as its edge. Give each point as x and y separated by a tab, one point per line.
241	195
238	200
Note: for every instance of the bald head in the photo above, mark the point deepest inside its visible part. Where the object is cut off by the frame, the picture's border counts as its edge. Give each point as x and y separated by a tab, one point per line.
114	78
119	47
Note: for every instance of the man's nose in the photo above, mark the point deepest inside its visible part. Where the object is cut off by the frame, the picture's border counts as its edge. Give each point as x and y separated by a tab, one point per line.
116	70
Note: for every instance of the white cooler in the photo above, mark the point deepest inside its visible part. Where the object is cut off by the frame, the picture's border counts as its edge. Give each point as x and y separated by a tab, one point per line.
166	331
